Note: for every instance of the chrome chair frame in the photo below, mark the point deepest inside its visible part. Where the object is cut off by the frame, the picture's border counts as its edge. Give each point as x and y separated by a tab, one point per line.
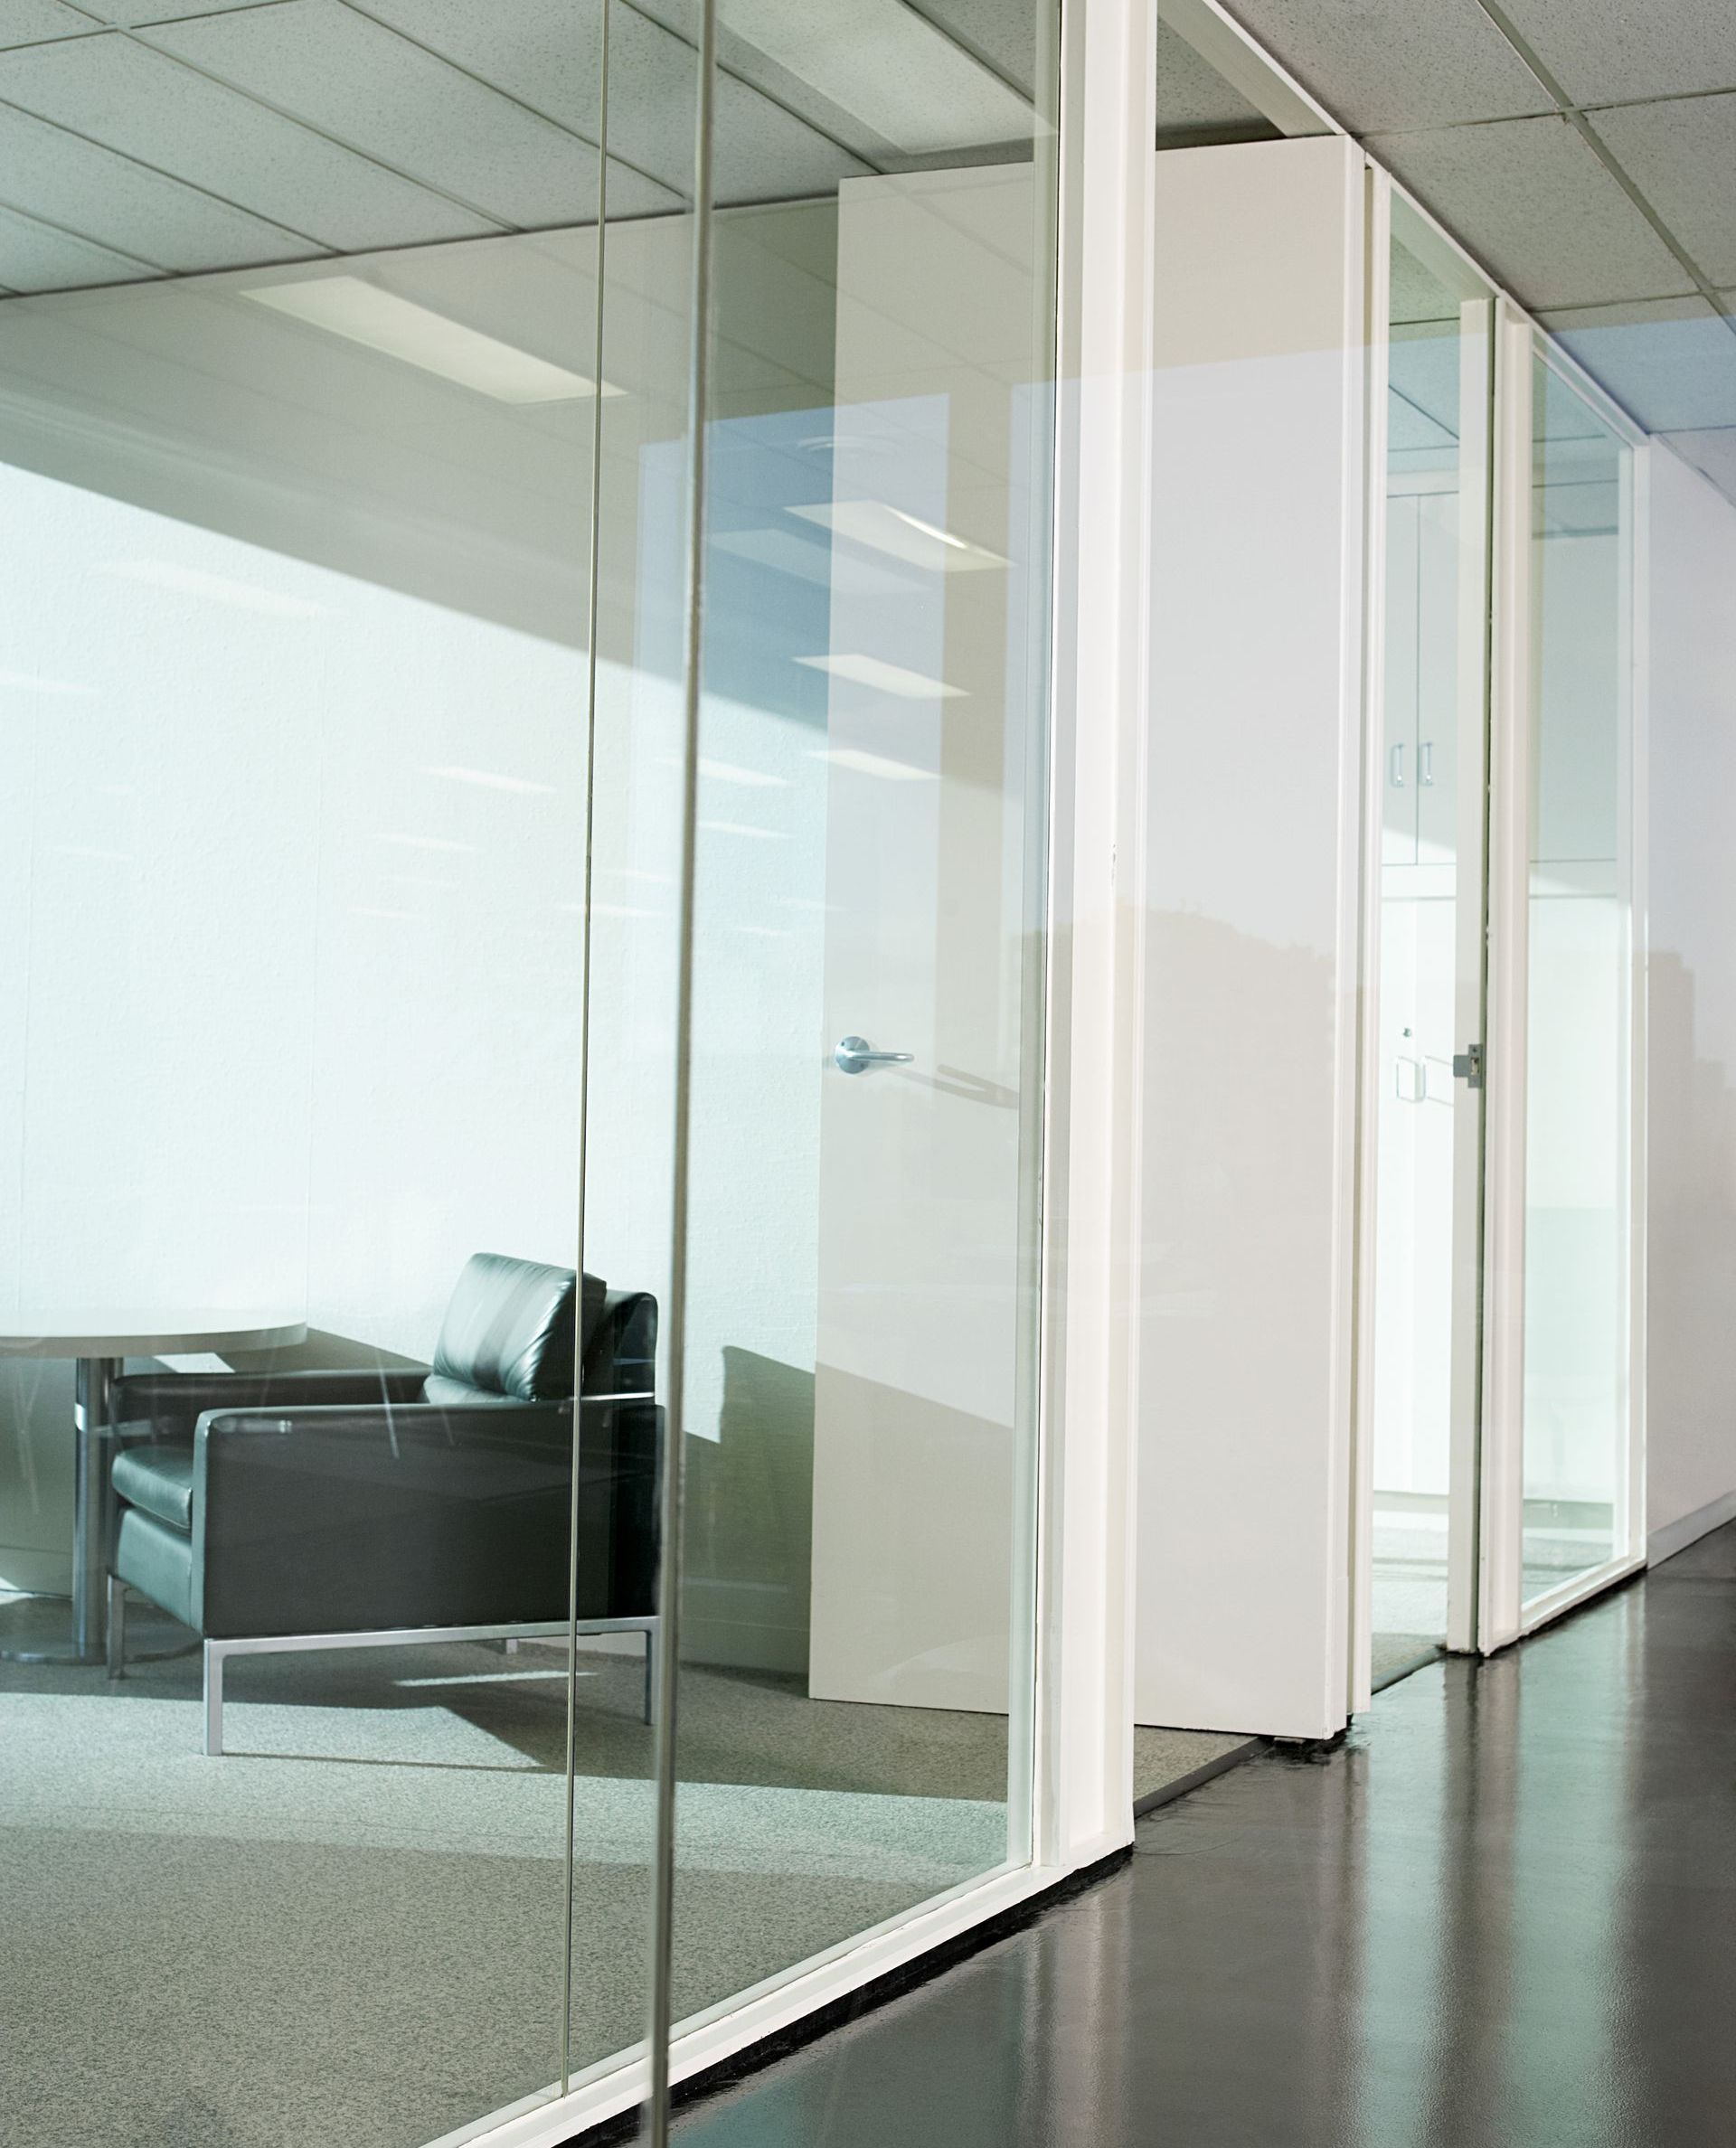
218	1653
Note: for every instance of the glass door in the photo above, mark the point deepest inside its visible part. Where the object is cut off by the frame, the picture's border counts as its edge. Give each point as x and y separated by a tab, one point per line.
1578	1515
1562	1493
1432	911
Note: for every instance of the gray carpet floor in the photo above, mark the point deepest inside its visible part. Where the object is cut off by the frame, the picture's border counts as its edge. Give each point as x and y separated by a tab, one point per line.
350	1927
1161	1757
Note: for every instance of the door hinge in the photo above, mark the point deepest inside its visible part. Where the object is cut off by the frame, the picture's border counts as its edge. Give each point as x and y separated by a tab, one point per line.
1468	1066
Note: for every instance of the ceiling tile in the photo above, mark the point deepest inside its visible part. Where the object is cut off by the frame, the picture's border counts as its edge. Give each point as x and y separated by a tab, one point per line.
106	197
1608	49
1194	98
35	257
742	62
1423	367
130	14
902	77
1713	453
30	21
389	98
1411	430
1376	65
546	52
116	91
1415	293
1002	32
1672	366
1531	201
1681	155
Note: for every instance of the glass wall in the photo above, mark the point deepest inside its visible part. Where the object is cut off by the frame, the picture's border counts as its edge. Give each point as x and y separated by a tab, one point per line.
296	401
350	896
859	1129
1576	1404
1433	906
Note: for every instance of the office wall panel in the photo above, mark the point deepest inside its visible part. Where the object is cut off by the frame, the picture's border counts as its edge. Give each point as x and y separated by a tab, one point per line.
1250	897
1691	1384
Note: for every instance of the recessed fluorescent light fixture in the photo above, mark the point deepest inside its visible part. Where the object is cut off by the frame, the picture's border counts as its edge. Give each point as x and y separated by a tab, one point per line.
872	764
811	560
886	678
220	588
346	306
14	681
487	779
716	771
882	62
905	536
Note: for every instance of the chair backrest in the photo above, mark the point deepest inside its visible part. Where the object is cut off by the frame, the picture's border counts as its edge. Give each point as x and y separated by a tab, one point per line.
508	1329
621	1345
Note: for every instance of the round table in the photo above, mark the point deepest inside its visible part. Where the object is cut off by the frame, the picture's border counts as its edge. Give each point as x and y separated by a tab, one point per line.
99	1340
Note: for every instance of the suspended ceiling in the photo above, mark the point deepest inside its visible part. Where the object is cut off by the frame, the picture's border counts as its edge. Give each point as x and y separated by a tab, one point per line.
140	138
1583	150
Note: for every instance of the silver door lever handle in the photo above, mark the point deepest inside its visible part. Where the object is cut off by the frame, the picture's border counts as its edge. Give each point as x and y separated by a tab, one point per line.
855	1055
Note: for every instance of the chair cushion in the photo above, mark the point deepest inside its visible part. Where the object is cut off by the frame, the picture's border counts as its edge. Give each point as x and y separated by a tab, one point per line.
158	1478
509	1328
157	1561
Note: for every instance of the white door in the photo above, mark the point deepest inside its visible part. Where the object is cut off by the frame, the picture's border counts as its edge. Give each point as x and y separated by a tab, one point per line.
932	748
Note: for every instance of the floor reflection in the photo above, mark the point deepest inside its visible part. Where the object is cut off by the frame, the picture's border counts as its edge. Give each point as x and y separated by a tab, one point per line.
1499	1918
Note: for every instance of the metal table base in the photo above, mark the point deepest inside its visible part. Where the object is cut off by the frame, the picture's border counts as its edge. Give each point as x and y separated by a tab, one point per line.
93	1430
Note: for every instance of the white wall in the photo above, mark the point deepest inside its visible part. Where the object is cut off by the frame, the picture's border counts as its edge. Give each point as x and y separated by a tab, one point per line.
920	1468
273	954
1691	1098
1251	882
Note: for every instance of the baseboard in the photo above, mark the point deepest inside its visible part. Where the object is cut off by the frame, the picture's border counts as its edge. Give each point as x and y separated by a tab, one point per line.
1676	1536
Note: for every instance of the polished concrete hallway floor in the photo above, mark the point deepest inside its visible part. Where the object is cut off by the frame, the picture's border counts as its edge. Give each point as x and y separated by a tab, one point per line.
1502	1916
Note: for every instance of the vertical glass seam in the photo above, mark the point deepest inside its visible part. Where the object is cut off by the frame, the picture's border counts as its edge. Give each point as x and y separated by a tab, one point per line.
668	1643
592	587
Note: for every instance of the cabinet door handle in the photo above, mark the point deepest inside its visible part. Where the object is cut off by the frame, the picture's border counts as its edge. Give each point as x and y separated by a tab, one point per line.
1395	767
1426	763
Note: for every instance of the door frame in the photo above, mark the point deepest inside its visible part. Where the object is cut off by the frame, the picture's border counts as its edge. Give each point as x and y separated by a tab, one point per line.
1487	1611
1457	272
1504	1616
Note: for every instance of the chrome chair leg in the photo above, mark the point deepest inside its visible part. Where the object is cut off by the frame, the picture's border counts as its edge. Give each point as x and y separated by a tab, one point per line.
115	1646
213	1655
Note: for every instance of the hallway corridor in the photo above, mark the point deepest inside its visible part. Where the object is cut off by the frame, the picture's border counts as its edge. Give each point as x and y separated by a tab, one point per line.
1504	1916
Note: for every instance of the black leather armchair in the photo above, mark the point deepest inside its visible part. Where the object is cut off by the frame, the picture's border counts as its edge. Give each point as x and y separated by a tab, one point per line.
323	1509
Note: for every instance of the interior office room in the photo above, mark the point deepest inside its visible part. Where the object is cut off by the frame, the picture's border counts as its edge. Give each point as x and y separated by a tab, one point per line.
867	913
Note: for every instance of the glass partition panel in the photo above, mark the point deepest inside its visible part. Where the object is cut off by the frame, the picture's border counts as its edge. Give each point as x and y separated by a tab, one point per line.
856	1443
1432	909
298	388
1579	1064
